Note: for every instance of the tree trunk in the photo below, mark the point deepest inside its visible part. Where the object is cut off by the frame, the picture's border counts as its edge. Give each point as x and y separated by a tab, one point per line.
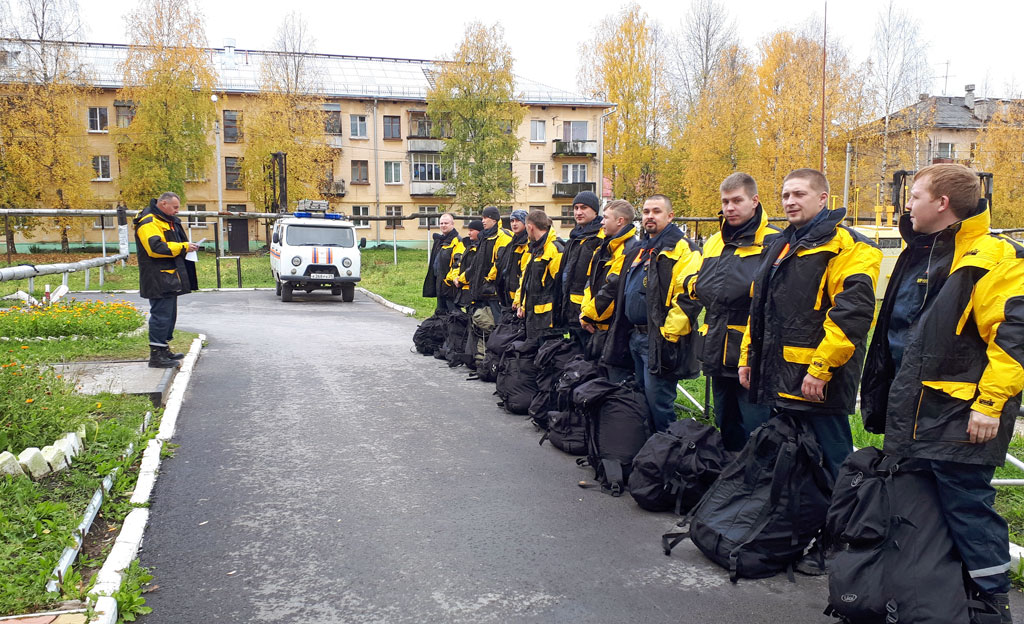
9	238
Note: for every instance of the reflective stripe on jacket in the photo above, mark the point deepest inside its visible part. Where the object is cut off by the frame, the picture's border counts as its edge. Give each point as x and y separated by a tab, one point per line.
812	306
723	287
539	291
964	351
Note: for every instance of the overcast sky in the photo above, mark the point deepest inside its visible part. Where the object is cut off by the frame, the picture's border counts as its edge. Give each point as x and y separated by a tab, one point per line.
979	40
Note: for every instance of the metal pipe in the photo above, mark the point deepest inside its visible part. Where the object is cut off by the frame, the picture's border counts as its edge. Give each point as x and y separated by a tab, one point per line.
28	271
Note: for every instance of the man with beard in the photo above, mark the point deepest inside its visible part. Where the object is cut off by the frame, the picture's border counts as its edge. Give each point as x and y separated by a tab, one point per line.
650	331
584	240
442	257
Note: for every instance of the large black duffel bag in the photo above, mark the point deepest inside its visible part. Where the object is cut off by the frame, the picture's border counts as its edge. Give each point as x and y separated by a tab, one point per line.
760	515
429	335
517	376
676	467
565	426
891	556
618	425
552	358
509	329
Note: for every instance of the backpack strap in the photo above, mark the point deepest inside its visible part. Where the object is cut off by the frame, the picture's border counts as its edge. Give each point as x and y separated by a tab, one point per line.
613	476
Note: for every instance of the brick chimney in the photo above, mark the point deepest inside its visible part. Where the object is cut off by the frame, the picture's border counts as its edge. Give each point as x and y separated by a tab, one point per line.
969	96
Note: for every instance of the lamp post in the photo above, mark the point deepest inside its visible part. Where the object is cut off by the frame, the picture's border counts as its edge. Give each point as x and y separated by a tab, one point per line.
220	184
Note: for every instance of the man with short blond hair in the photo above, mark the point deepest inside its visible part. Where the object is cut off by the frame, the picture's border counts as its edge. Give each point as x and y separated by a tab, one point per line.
945	367
443	256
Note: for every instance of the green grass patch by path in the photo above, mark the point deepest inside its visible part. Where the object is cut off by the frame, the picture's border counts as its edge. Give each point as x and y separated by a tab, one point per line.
69	317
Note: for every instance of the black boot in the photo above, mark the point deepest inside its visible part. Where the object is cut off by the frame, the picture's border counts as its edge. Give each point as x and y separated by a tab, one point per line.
159	357
1000	607
175	356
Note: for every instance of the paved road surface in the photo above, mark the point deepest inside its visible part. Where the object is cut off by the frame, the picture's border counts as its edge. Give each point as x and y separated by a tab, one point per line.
326	474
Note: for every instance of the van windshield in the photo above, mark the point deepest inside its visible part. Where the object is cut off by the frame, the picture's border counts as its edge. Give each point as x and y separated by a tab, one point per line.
319	235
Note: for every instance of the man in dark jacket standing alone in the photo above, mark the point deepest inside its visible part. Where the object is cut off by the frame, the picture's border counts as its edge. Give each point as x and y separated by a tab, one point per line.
651	328
945	368
441	261
722	286
164	273
584	240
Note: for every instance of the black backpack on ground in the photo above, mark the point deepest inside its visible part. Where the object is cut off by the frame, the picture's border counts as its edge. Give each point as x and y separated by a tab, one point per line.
509	329
552	357
457	340
517	376
618	425
676	467
566	426
892	557
429	335
760	515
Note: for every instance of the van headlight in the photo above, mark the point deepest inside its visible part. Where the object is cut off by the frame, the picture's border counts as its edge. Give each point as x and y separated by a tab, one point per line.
346	262
296	261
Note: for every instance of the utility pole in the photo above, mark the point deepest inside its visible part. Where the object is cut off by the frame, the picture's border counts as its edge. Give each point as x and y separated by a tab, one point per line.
824	49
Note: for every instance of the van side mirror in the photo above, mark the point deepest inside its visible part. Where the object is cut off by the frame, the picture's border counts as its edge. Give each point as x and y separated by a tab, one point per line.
362	243
276	238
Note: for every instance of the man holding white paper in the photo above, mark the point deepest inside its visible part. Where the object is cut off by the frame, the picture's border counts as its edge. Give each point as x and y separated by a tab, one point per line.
166	271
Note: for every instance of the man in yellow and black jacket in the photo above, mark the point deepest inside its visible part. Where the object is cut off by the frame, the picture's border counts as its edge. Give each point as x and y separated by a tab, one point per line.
539	292
603	275
812	306
730	260
508	267
442	258
164	273
584	239
651	329
945	368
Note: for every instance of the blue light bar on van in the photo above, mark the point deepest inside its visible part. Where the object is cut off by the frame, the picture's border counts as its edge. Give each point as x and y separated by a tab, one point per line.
336	217
302	214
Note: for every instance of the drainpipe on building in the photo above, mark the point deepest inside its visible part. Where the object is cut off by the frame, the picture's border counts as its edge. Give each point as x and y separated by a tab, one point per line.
376	177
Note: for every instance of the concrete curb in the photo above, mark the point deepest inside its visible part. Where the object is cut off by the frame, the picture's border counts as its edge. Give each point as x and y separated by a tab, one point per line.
170	418
384	302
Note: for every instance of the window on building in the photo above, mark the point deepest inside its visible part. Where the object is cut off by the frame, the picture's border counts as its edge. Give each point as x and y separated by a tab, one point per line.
574	131
392	172
360	211
393	211
193	174
196	222
124	113
429	222
97	119
392	127
974	151
101	165
532	208
232	126
357	125
332	121
537	131
105	222
567	212
946	150
360	172
233	173
427	168
420	126
537	173
572	174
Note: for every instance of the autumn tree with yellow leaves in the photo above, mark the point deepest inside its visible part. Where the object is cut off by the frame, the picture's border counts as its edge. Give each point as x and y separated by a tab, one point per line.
1001	153
288	116
623	64
168	79
44	161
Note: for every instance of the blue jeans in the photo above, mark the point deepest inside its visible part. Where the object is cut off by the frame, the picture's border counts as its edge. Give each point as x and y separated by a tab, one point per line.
980	534
735	415
163	314
660	391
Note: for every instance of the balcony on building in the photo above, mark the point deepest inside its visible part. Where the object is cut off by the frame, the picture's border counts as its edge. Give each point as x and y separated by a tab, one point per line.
422	135
334	188
333	141
425	189
575	149
572	189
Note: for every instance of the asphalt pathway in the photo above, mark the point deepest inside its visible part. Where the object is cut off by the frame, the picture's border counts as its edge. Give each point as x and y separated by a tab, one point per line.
327	474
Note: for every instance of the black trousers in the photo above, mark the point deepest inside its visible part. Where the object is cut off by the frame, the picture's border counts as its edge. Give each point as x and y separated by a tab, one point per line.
163	314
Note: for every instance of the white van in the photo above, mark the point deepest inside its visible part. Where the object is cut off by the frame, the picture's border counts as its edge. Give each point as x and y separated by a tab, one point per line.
315	251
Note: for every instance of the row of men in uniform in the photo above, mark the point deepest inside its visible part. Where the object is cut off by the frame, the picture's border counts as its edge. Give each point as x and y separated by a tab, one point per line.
787	315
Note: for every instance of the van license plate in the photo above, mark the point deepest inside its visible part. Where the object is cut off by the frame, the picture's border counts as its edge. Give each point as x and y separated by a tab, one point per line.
321	275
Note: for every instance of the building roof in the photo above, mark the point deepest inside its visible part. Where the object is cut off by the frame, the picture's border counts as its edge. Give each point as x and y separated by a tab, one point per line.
953	112
339	76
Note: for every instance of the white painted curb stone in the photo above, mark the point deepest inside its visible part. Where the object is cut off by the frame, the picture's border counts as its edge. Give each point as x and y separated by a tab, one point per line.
384	302
170	419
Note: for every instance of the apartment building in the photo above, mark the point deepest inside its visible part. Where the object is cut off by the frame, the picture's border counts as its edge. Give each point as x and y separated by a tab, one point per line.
386	157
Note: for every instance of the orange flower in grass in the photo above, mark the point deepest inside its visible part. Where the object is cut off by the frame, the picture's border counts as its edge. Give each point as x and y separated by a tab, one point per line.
29	400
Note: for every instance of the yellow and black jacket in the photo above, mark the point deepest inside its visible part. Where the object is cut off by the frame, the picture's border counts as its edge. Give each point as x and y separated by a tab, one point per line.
508	269
463	257
812	306
436	283
723	287
480	274
161	244
539	292
583	241
603	277
671	258
964	351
